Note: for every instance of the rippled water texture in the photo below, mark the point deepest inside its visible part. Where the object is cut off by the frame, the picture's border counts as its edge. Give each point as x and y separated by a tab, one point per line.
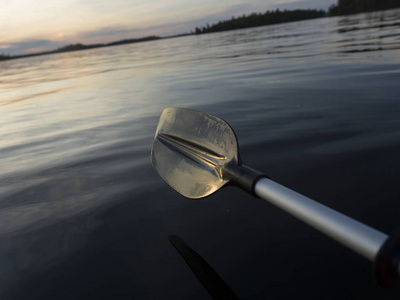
315	105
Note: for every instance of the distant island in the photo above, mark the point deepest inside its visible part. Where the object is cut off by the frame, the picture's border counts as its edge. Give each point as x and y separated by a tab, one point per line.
259	19
347	7
343	7
76	47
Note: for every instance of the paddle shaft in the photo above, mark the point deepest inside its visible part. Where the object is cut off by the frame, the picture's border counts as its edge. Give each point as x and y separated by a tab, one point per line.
361	238
197	154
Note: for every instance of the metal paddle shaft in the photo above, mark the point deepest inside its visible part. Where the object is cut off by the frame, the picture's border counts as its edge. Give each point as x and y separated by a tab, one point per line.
361	238
197	154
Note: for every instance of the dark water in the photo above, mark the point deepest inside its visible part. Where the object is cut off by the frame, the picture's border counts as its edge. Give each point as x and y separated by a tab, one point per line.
315	105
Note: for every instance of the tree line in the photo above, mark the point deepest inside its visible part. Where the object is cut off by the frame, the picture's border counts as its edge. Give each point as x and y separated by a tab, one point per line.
76	47
261	19
346	7
343	7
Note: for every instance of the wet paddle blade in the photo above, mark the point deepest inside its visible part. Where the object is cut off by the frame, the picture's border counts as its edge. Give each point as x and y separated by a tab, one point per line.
190	151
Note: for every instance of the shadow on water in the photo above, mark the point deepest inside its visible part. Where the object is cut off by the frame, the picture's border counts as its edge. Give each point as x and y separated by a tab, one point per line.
211	281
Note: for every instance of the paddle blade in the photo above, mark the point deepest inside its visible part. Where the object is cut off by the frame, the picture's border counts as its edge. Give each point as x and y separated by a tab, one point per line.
190	151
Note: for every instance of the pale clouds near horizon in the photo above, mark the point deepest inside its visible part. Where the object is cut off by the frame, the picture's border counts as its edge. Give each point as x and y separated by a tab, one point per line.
38	25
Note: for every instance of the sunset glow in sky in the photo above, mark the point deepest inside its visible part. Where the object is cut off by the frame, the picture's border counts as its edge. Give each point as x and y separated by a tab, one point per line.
39	25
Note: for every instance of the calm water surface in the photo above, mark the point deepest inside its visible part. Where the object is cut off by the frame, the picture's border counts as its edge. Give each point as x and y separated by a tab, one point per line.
315	105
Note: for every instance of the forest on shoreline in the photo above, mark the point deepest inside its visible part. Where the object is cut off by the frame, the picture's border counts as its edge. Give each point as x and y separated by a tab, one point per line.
343	7
259	19
347	7
77	47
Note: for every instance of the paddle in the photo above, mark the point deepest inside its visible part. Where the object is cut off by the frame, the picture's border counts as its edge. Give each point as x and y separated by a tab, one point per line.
197	154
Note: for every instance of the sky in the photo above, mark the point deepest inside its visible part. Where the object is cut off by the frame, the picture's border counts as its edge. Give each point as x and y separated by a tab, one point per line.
29	26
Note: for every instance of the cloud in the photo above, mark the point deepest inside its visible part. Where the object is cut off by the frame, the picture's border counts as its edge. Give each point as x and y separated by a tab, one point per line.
28	46
304	4
105	21
111	34
114	33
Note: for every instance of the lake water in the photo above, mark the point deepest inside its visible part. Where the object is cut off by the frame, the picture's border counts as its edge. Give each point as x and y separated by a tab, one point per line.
315	105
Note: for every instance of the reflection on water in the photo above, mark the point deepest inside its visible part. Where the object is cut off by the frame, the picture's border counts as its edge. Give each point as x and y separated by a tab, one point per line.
370	32
314	105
